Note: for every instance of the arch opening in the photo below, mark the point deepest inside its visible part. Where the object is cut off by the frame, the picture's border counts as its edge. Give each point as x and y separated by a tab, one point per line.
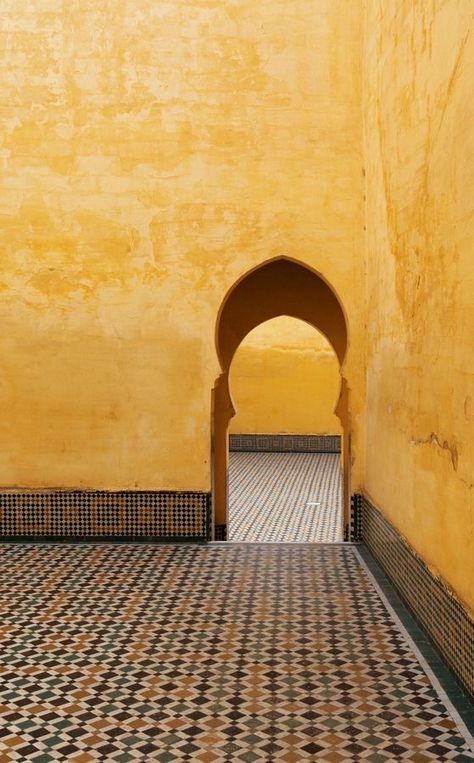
284	474
278	287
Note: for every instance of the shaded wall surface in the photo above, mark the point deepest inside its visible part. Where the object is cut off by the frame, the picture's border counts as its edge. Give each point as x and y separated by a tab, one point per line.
285	379
153	154
420	190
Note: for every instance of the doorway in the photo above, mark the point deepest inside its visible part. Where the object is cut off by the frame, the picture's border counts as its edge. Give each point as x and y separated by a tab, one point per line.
277	497
284	441
281	286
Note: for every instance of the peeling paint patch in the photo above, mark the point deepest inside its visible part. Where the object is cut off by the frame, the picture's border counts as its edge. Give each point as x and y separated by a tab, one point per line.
433	439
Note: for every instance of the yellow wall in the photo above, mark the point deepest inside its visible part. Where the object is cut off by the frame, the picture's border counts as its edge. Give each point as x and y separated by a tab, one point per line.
285	379
420	189
153	153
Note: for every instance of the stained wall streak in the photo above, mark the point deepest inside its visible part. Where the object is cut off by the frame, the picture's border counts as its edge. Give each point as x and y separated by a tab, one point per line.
420	232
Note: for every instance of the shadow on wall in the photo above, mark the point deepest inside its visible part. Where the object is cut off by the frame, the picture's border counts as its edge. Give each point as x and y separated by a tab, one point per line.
281	286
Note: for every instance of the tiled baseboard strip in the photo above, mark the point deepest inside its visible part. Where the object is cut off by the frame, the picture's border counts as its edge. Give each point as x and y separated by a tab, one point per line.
285	443
442	616
104	515
220	532
428	655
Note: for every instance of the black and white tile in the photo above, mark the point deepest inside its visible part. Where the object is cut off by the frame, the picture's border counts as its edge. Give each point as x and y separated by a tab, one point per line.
285	497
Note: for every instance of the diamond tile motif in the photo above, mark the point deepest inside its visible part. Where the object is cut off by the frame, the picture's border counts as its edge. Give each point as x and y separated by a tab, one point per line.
96	514
213	654
284	497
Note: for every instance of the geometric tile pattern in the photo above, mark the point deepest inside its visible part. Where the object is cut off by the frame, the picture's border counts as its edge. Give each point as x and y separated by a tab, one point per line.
215	654
286	443
355	526
99	513
284	497
437	608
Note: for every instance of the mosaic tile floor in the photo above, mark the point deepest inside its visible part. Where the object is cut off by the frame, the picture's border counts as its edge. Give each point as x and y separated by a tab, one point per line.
216	654
283	497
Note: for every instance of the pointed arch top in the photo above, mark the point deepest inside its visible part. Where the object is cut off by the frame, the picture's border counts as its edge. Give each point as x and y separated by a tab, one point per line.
280	286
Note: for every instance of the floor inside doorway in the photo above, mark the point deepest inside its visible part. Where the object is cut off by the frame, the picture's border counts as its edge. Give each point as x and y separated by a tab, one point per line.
285	497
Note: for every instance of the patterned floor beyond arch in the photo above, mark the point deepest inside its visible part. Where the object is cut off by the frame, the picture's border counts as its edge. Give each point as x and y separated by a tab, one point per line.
218	654
284	497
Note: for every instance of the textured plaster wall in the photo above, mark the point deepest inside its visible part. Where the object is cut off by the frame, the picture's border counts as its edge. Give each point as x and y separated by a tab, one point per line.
285	379
420	191
152	153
